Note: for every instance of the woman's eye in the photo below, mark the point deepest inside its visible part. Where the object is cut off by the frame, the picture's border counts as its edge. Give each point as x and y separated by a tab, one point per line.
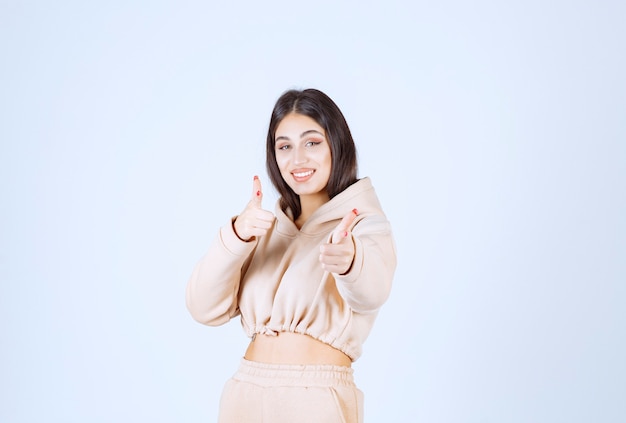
312	143
284	147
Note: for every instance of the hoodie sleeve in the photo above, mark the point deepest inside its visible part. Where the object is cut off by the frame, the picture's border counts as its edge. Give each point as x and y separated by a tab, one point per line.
367	284
213	287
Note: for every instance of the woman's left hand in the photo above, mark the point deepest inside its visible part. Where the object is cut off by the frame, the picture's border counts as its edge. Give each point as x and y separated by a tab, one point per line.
337	256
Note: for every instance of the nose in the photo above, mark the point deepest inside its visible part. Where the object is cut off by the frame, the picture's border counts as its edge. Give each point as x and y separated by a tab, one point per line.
300	156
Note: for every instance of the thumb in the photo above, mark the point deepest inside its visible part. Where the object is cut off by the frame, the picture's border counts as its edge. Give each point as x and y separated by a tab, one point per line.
257	192
342	229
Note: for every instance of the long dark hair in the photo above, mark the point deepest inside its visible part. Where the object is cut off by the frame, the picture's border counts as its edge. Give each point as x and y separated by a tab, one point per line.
322	109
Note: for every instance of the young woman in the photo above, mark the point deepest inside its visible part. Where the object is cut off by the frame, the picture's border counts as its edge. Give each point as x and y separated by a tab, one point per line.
307	281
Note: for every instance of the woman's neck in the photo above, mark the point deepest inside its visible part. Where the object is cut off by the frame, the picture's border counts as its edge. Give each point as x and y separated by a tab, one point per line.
308	205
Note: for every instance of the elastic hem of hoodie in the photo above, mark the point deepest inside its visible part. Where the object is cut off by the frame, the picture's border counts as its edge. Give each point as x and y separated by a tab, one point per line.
329	340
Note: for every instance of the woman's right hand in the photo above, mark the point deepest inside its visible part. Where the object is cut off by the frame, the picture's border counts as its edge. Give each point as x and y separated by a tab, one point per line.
253	220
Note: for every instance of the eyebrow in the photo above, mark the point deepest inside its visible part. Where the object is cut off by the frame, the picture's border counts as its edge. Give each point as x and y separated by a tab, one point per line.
302	135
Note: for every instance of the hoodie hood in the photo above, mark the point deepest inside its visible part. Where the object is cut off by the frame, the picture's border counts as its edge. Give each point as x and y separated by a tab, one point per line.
360	195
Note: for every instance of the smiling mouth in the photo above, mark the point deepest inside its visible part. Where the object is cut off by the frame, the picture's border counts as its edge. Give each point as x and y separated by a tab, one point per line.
301	176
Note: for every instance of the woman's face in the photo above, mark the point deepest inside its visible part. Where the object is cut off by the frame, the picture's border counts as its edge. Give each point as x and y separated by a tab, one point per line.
303	154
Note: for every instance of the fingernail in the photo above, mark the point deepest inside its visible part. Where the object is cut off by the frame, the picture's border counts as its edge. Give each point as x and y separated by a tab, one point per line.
355	211
256	177
258	193
345	234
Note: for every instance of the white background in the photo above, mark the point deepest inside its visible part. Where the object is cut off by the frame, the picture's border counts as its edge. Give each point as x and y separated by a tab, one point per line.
493	132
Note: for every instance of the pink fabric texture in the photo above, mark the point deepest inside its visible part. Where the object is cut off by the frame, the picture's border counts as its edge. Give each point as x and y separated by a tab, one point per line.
276	393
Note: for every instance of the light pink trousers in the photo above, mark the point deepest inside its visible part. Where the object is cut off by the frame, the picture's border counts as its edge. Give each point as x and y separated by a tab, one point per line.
276	393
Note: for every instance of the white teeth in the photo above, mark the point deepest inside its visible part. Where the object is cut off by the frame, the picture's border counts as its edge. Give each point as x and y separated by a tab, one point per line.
303	174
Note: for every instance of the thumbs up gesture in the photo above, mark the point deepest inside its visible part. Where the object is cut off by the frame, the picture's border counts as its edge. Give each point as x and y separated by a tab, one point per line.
337	256
253	220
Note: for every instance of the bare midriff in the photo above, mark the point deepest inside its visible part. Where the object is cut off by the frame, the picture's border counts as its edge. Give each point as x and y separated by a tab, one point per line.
294	348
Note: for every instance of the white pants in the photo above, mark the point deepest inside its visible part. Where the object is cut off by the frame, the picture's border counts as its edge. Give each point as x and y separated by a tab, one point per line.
276	393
